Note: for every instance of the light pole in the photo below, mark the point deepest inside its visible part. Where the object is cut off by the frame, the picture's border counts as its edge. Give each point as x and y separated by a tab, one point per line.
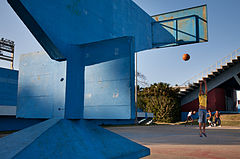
136	87
7	46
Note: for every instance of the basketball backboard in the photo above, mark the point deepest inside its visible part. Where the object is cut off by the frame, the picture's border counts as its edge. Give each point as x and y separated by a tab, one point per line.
186	26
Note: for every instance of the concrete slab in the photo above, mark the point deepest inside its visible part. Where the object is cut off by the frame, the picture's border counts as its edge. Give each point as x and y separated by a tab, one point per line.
167	141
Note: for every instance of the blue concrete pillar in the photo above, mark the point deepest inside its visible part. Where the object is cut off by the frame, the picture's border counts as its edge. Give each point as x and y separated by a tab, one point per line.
74	103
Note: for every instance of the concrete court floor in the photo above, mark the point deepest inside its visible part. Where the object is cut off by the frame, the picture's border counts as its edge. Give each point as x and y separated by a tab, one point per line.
180	142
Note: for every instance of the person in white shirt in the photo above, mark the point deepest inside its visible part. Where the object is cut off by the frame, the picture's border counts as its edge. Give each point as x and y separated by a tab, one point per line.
189	117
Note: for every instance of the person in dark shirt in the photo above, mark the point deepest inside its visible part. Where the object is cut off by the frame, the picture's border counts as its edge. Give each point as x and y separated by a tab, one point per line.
217	119
210	118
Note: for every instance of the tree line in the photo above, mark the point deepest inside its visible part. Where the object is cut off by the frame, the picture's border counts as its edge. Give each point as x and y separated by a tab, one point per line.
160	99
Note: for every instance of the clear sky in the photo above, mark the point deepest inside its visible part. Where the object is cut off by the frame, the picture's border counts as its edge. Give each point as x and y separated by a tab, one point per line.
158	65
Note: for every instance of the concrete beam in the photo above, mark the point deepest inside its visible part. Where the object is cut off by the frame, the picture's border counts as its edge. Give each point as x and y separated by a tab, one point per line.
237	79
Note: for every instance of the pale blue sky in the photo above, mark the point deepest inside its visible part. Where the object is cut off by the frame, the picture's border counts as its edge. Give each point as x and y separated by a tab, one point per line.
158	65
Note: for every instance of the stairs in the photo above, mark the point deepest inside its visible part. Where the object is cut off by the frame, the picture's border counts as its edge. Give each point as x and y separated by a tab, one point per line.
211	73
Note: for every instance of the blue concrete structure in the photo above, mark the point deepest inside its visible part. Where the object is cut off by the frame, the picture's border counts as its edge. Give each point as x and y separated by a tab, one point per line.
10	123
93	43
41	92
69	139
8	87
64	37
8	102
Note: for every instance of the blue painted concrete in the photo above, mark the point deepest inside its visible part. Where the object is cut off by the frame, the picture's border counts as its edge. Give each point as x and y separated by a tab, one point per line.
104	54
98	40
13	144
109	122
60	138
63	32
74	22
42	84
8	123
8	87
108	86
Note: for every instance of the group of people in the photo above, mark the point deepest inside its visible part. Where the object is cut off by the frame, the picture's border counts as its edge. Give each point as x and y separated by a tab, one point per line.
210	117
202	112
217	119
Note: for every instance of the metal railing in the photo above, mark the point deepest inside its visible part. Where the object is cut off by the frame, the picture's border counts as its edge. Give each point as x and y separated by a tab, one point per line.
213	68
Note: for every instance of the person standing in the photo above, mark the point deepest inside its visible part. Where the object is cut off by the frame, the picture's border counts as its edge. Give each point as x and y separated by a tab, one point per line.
210	119
202	110
217	119
189	117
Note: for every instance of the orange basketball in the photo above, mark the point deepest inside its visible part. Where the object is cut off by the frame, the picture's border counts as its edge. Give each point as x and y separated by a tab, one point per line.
186	57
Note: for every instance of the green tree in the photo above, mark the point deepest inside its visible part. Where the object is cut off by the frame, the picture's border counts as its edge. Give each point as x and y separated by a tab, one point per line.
160	99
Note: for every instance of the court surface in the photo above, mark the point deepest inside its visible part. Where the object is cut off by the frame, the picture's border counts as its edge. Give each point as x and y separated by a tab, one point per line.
177	141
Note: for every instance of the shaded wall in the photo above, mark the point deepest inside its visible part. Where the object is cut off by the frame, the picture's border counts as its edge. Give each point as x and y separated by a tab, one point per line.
8	87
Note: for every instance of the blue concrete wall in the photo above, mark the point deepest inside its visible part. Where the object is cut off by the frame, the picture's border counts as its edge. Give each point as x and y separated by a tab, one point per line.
8	87
42	84
45	90
109	87
107	92
8	98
